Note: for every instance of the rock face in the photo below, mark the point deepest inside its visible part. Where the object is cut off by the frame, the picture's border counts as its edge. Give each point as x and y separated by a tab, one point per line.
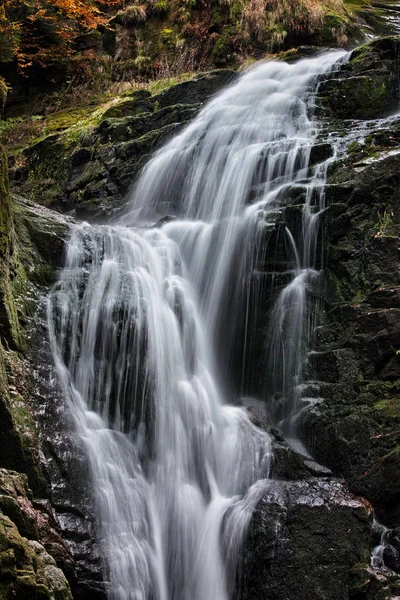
89	171
353	370
350	420
34	560
355	429
66	465
310	534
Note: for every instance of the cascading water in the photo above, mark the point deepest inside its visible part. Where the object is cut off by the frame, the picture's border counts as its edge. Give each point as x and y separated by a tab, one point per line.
143	322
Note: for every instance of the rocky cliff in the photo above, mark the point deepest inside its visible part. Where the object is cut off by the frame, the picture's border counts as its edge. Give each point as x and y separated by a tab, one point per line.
33	554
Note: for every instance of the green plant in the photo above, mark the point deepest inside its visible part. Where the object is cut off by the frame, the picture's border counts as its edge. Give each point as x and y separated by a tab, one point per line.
384	224
161	7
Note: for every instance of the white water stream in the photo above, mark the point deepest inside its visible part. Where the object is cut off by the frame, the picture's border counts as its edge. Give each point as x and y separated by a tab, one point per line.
143	319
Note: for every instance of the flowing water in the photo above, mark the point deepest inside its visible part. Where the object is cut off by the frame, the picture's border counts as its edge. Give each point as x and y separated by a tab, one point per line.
144	321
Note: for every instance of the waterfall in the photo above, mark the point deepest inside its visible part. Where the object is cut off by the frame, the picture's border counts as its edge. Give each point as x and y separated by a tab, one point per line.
144	324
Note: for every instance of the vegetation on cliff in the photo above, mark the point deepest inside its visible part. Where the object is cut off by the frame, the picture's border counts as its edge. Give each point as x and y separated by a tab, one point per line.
42	31
77	49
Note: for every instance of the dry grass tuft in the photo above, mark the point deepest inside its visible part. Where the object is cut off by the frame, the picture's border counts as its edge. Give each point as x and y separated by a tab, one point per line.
132	15
255	18
274	18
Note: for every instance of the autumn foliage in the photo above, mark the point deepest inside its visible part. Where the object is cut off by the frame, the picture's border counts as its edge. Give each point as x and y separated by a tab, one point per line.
39	31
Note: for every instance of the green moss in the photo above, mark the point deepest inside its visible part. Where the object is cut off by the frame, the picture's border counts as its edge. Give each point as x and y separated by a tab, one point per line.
360	54
26	570
236	11
135	104
12	274
23	418
19	450
381	405
356	5
223	45
362	97
5	206
156	87
333	20
161	8
390	407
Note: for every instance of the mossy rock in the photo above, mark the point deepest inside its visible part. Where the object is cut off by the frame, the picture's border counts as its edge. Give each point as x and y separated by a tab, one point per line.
5	206
12	272
362	97
196	90
361	90
135	104
24	241
27	570
368	584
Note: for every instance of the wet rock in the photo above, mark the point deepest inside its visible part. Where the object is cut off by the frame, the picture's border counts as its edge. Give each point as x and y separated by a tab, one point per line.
308	539
392	555
316	469
332	366
20	447
48	232
67	466
360	97
370	584
130	127
320	152
384	298
287	463
354	428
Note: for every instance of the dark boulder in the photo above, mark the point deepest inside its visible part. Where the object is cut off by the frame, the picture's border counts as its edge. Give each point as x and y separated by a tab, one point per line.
90	40
309	539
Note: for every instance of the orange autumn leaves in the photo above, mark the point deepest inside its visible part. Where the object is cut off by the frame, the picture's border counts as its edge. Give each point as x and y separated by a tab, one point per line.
41	31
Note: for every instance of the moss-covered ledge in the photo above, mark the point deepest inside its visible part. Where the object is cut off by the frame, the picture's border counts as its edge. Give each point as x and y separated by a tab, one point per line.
367	86
87	168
